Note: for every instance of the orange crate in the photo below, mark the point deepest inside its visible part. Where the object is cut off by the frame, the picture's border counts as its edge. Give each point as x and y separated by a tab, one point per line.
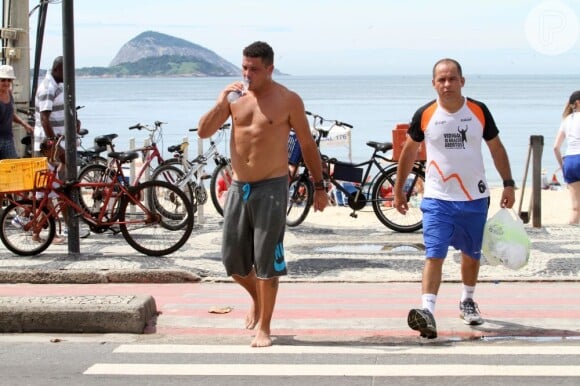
399	138
19	174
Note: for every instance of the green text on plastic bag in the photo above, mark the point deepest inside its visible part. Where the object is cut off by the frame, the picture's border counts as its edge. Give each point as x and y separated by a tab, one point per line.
505	241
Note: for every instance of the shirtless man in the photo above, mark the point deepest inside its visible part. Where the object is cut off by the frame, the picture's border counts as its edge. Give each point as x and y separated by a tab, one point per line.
255	209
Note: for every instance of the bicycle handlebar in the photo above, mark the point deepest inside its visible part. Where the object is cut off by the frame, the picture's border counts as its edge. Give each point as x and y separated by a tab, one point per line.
322	120
225	126
139	126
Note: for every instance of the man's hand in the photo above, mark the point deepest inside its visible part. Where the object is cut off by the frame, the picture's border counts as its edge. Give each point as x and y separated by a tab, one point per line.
508	197
320	199
400	203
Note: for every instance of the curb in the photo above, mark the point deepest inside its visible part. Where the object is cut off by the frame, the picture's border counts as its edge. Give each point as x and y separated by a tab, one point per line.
77	314
92	277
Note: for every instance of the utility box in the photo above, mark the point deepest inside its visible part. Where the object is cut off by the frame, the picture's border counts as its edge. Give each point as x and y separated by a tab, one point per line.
399	138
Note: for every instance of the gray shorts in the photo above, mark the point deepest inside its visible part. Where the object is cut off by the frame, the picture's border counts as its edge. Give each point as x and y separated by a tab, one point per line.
254	225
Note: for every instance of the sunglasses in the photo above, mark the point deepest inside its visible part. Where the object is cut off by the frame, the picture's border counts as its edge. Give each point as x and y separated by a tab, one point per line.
5	80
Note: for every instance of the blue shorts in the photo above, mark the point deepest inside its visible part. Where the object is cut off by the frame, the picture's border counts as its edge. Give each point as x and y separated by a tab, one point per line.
571	168
458	224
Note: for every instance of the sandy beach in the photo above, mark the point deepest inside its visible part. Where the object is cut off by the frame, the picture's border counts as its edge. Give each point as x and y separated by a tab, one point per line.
555	210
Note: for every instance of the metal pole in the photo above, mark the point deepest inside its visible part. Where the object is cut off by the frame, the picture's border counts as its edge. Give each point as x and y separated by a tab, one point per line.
537	144
70	117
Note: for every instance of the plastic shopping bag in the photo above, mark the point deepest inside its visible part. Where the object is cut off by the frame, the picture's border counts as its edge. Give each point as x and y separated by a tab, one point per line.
505	240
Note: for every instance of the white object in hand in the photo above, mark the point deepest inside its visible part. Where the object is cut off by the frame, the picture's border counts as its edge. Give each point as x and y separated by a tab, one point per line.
233	96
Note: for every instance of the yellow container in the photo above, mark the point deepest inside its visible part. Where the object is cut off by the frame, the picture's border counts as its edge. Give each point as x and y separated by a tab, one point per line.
19	174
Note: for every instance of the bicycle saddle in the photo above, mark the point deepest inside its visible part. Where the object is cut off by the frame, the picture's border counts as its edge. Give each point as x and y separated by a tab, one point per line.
125	156
381	146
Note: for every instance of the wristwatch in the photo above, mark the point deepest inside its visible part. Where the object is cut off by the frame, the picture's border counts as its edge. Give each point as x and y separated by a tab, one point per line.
509	183
320	185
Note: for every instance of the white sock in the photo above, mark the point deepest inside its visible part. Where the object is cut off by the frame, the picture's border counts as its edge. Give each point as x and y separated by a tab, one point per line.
429	301
468	292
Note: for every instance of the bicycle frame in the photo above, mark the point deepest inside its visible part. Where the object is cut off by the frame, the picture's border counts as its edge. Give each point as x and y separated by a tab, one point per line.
149	152
369	184
378	191
114	192
194	167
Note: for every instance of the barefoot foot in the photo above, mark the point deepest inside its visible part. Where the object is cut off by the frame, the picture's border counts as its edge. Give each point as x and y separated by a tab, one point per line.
262	339
252	317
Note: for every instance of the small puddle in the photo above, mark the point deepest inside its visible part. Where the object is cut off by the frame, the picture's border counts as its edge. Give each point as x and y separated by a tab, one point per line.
400	248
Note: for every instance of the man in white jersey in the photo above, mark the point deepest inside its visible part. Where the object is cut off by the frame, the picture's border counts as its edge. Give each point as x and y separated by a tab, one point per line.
456	198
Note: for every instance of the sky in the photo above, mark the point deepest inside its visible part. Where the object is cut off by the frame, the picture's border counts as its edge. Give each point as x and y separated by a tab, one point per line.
337	37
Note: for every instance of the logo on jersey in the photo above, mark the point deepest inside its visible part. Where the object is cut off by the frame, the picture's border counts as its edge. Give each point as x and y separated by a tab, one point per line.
456	140
481	186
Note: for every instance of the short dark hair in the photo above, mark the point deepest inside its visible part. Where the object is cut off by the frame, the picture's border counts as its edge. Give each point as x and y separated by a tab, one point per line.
448	60
260	50
58	61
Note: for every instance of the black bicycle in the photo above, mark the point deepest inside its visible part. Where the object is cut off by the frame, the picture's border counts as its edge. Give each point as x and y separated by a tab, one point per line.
354	182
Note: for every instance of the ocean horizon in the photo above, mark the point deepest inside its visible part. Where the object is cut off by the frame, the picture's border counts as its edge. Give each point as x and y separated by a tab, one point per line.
522	106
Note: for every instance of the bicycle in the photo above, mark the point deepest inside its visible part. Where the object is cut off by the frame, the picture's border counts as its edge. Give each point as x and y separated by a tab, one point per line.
362	190
188	175
154	217
150	154
92	155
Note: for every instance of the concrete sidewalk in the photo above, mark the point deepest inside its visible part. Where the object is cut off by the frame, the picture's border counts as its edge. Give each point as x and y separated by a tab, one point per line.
356	252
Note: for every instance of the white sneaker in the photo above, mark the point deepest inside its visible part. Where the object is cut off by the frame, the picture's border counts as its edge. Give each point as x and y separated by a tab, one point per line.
469	312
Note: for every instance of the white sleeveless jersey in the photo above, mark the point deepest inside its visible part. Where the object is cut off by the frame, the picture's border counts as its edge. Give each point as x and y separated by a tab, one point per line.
454	169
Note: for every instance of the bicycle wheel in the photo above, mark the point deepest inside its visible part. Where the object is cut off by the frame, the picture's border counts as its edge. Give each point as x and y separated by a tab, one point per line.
220	182
174	175
146	228
19	225
300	199
383	196
92	197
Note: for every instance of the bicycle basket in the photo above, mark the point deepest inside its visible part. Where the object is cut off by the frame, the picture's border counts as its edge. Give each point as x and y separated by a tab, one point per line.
20	174
344	171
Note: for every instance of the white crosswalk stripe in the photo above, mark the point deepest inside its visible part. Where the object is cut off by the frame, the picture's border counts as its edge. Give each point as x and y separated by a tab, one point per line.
260	369
464	354
280	349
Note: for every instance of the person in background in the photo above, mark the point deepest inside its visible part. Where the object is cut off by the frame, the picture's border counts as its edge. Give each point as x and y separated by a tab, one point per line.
456	196
255	209
569	131
49	106
49	123
7	114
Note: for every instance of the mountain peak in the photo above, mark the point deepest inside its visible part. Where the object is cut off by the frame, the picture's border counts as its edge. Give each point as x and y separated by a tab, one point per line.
151	46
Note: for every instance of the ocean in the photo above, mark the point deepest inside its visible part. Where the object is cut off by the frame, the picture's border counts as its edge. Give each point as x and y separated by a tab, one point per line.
521	105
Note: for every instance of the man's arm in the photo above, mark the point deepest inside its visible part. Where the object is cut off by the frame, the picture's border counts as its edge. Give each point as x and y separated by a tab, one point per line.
502	164
211	121
405	164
310	152
45	122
